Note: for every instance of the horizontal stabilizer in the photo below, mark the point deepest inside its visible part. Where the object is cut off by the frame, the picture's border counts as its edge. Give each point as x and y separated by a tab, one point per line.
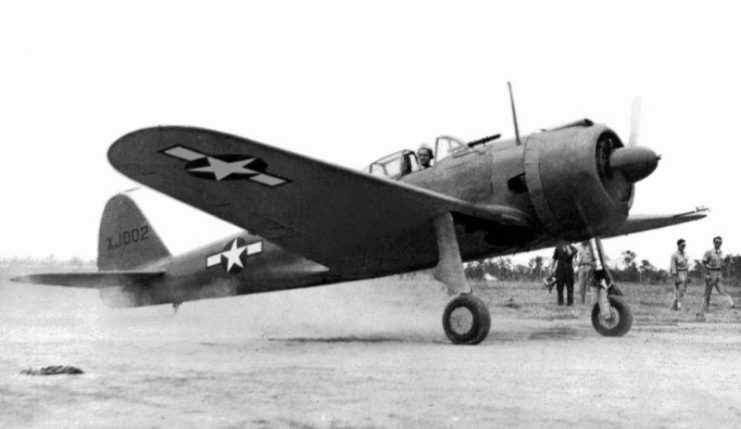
638	223
91	280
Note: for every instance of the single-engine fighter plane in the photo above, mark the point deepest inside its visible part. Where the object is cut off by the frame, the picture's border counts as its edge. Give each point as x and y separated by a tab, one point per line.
309	222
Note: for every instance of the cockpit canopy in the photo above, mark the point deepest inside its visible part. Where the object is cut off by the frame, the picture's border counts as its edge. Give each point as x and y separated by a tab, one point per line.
403	162
394	165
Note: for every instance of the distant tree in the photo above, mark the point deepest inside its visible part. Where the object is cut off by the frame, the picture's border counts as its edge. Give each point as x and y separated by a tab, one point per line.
629	257
501	268
649	273
630	272
732	268
76	262
696	271
474	270
536	267
521	272
662	276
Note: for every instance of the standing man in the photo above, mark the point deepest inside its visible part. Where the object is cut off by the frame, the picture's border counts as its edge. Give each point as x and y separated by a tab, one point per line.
585	262
713	263
563	261
424	156
678	269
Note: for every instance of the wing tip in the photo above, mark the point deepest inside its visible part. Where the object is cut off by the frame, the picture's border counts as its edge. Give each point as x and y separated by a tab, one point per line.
698	213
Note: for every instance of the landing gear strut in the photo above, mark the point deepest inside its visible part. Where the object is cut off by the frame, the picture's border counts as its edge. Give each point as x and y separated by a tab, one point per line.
466	319
611	314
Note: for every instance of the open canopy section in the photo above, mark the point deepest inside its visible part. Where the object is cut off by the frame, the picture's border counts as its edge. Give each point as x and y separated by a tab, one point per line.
394	165
403	162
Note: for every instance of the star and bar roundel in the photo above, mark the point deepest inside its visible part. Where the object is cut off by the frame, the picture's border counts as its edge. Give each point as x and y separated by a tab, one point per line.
234	256
225	167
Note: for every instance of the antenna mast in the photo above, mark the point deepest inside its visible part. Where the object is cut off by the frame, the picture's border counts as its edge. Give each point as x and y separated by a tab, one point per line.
514	114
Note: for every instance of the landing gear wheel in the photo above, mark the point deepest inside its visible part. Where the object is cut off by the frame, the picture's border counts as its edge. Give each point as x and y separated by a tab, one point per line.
620	322
466	320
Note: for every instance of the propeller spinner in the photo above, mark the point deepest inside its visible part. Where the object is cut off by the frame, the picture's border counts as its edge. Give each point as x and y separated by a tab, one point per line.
633	161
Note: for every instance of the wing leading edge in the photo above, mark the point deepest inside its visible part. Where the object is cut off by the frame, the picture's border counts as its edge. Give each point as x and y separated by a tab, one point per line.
638	223
335	216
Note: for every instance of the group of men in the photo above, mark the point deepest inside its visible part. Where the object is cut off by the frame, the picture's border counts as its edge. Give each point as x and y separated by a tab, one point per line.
712	262
563	270
565	255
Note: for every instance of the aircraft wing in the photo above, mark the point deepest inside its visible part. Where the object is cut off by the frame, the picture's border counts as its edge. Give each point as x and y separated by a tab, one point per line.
344	219
91	280
638	223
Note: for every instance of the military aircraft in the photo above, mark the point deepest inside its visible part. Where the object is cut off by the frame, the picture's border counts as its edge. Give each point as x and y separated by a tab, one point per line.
310	223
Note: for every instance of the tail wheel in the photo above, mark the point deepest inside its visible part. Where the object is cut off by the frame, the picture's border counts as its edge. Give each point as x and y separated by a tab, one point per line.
466	320
620	321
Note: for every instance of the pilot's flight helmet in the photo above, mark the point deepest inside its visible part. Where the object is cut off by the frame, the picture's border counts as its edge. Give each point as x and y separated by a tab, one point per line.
425	146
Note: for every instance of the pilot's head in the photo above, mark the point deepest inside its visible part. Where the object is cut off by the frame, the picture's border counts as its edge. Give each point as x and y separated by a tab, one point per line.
424	155
717	241
681	244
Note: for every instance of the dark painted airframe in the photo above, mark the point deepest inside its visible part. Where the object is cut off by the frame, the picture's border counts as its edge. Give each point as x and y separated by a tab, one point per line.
312	223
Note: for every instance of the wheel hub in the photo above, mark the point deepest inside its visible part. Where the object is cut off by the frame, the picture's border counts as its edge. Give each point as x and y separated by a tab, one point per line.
461	320
612	319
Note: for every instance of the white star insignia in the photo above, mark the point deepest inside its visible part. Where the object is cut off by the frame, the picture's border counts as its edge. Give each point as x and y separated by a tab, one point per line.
222	169
232	255
225	170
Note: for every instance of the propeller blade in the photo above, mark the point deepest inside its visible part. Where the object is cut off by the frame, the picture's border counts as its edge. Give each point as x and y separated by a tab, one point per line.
635	122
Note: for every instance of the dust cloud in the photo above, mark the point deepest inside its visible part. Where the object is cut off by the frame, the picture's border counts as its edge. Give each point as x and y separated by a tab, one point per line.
358	309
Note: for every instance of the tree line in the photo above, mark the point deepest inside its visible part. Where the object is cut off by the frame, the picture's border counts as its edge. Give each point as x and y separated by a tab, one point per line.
629	269
49	260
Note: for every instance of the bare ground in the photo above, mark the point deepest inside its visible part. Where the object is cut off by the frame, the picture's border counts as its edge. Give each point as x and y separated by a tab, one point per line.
366	354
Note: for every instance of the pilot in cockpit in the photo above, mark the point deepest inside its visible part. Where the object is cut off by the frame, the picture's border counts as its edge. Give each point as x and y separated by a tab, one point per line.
424	156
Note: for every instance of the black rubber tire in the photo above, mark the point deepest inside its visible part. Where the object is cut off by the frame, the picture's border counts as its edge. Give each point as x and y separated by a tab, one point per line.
481	320
624	315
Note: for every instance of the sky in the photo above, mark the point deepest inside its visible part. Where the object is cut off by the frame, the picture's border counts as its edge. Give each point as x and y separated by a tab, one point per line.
349	82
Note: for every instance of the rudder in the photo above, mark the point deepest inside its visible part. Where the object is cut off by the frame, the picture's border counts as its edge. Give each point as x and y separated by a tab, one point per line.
126	239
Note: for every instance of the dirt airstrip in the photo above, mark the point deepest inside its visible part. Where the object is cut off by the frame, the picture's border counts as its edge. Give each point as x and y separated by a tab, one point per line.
366	354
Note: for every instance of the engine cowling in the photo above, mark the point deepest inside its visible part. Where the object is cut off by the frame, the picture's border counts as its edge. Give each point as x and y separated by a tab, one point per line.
580	178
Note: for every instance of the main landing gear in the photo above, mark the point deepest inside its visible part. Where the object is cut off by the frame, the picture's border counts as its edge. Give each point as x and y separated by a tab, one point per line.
611	314
466	319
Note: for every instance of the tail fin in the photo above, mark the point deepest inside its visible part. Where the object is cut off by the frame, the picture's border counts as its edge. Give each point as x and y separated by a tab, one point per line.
126	239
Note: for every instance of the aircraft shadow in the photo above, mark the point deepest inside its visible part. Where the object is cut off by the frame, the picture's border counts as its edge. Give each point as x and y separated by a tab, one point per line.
556	333
375	339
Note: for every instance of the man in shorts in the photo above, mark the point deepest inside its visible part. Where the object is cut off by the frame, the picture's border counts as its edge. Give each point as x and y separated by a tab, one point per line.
678	269
713	263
